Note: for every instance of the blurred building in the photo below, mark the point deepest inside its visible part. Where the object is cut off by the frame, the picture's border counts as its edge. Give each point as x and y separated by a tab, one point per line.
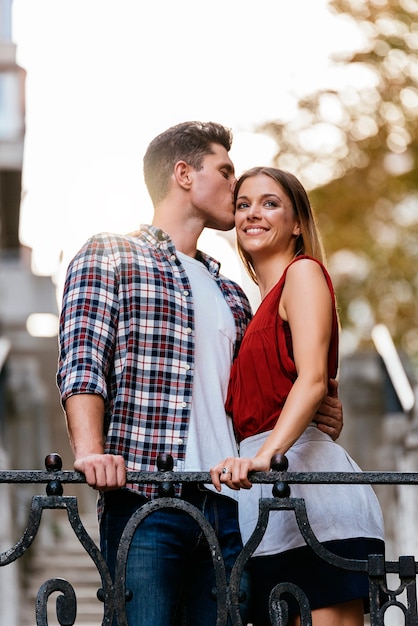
28	398
11	159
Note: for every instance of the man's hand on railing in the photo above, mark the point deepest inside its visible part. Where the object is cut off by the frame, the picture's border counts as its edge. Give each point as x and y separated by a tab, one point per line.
102	471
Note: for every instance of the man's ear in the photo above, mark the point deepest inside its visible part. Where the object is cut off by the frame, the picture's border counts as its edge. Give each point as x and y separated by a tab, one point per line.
182	174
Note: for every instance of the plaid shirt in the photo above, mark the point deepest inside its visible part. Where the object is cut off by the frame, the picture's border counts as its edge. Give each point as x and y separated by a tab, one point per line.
127	334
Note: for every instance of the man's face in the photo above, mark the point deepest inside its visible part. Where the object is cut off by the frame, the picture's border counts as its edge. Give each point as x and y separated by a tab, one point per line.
212	189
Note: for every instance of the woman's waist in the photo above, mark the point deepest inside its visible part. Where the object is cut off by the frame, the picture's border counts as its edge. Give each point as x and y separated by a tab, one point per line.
250	445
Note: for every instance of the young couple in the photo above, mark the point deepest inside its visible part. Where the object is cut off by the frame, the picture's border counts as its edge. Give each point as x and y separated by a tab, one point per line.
149	330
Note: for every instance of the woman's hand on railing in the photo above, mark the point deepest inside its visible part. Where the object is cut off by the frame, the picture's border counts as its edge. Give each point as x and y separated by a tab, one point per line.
234	471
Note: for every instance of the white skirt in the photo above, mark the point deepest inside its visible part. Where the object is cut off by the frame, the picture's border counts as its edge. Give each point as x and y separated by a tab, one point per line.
334	511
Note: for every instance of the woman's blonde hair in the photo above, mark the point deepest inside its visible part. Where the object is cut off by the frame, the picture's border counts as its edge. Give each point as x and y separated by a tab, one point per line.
309	241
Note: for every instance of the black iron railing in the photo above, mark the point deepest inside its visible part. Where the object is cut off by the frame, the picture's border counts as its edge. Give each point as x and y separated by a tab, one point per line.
403	595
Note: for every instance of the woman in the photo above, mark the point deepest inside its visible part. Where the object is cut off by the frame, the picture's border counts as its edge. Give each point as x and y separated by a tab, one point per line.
278	380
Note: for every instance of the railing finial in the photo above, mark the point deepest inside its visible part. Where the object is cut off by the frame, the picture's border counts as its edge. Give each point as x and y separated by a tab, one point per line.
53	463
165	463
279	463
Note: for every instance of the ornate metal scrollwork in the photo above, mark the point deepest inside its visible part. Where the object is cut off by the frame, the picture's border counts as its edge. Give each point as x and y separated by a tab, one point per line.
228	597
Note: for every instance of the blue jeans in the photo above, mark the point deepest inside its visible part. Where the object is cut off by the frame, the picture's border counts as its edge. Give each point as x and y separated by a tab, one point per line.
169	569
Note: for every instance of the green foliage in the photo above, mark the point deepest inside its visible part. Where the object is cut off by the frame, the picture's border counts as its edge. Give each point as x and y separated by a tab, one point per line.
356	149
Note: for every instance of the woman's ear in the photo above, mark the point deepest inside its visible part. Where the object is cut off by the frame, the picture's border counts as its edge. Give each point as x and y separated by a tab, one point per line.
182	174
296	230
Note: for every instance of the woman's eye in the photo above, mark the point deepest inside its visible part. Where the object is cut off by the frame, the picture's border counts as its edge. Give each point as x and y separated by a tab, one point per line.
242	205
271	204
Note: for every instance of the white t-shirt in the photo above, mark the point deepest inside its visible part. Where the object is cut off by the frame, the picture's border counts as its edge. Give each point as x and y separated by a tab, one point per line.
211	436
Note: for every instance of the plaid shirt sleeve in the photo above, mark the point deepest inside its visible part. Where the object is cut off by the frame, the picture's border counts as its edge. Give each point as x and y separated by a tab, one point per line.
88	323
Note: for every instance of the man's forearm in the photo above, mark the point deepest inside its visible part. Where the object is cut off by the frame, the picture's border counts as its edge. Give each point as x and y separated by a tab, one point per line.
85	415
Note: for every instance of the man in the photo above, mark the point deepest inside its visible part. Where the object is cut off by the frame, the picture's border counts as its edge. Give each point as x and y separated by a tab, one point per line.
148	331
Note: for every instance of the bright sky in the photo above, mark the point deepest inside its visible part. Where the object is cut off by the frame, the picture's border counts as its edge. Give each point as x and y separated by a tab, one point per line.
105	76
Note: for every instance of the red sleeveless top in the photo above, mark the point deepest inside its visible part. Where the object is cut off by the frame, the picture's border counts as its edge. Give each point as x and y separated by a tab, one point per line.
264	370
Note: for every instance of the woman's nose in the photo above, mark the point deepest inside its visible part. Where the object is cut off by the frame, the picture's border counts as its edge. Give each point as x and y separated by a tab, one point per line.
252	212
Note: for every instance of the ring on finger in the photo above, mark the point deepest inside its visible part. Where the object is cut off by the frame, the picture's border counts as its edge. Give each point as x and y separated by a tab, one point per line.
225	470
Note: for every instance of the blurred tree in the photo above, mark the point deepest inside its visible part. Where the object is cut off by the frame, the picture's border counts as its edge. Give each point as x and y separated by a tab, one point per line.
356	150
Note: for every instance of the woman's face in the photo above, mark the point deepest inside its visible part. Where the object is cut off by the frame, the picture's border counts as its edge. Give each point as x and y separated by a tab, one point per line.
264	217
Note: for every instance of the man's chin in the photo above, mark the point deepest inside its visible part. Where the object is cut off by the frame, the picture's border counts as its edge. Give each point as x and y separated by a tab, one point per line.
222	227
